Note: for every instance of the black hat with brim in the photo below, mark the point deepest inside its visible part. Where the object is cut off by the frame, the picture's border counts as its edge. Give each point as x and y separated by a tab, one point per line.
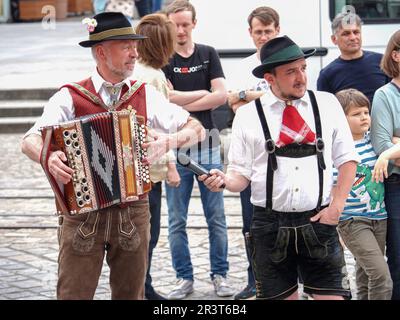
279	51
111	26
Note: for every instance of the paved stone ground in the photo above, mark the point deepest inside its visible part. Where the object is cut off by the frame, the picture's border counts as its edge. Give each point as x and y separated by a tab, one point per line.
28	242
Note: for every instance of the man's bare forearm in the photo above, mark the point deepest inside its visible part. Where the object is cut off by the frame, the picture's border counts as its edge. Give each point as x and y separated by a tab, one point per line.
182	98
235	182
192	132
235	102
32	146
208	102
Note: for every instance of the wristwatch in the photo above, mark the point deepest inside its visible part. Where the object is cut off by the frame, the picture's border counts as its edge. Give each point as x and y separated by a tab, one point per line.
242	95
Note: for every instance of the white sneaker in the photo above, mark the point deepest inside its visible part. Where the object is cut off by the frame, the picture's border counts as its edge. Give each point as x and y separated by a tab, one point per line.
222	287
181	290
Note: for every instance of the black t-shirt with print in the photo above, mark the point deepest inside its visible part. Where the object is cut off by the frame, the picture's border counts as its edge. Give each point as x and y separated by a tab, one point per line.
195	73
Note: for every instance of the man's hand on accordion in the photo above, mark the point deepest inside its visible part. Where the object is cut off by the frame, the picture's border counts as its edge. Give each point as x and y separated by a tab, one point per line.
60	171
157	146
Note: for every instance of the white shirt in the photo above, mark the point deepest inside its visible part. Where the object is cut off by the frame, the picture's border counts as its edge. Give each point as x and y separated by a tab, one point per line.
155	77
161	114
296	186
243	78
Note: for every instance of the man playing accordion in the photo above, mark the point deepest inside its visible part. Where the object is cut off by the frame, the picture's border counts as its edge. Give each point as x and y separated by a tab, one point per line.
120	231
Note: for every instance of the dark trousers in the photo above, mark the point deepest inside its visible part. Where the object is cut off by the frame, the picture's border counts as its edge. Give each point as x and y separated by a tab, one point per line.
155	217
144	7
392	202
247	215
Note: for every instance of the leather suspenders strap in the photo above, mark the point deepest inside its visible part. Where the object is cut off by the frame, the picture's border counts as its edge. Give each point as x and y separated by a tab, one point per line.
270	148
319	144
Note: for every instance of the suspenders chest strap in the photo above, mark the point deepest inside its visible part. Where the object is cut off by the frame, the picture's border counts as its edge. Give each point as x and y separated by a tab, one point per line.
296	151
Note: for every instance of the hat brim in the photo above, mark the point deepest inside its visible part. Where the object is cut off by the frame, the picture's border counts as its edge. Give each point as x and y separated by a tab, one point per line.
262	69
91	43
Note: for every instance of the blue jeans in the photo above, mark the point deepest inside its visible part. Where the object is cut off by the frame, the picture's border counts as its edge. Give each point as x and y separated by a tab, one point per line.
213	207
157	4
155	217
247	216
143	7
392	201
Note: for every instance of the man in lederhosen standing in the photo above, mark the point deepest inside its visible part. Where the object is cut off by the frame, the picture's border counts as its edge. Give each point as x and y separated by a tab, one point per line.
286	148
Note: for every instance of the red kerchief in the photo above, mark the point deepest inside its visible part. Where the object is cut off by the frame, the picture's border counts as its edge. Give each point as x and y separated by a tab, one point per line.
294	129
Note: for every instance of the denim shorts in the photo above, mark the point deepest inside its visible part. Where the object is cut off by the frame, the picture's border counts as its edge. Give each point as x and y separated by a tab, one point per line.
287	246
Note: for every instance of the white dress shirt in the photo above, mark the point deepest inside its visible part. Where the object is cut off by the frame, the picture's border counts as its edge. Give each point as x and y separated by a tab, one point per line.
242	78
162	115
296	185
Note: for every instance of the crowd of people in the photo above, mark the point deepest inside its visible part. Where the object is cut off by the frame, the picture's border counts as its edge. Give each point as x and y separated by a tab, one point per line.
316	170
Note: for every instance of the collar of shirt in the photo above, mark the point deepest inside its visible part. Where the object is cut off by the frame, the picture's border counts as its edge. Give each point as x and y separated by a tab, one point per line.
100	85
270	99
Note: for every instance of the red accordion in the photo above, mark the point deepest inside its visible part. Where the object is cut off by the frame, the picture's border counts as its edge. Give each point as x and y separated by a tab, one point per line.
105	152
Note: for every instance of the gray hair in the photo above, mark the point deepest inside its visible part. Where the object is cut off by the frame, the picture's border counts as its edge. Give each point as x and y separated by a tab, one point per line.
93	48
345	19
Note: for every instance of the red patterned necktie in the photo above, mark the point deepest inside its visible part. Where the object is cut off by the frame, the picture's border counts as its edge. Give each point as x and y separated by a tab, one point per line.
294	129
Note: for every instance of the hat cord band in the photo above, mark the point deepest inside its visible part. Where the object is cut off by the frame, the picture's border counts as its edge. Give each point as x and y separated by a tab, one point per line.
111	33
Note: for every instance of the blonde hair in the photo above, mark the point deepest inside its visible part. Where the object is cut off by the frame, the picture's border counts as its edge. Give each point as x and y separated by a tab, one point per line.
388	65
352	98
181	5
156	50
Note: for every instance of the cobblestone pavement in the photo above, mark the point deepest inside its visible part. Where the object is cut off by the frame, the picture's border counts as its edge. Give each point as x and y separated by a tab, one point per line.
28	242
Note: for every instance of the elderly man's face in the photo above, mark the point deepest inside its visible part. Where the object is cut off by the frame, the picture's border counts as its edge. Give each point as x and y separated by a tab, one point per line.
120	57
289	81
348	39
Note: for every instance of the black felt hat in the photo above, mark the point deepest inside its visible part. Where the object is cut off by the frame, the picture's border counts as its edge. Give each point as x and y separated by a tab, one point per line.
279	51
109	26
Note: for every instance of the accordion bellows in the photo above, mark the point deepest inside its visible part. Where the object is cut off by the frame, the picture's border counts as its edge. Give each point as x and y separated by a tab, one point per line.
105	152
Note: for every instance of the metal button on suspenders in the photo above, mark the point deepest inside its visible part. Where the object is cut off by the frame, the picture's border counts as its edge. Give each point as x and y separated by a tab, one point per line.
293	151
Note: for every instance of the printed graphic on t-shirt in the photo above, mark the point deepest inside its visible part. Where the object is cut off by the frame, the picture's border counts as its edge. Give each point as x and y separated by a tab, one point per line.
366	197
262	85
365	187
192	69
